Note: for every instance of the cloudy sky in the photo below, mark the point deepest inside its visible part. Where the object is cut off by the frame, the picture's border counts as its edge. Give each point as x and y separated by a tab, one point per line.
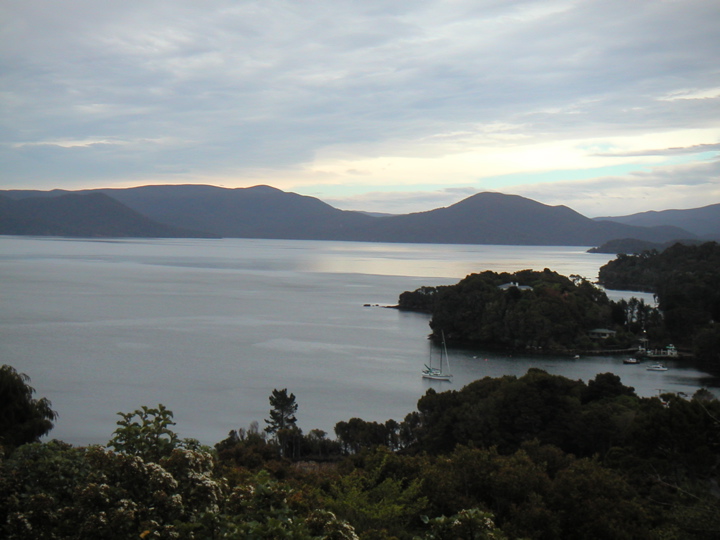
609	107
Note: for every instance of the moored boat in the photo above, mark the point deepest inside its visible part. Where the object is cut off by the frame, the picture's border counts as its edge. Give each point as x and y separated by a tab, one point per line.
439	374
657	367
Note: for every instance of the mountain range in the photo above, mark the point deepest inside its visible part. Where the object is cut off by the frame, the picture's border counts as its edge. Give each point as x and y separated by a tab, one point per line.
266	212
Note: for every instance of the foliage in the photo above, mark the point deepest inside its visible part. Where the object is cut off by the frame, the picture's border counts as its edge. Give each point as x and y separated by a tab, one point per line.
262	508
585	498
685	279
282	422
472	524
530	310
53	490
251	450
376	501
247	448
56	491
357	433
146	432
706	344
503	412
23	419
282	414
535	457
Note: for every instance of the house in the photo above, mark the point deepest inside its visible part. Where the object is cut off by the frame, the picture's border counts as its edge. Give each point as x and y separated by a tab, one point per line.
506	286
601	333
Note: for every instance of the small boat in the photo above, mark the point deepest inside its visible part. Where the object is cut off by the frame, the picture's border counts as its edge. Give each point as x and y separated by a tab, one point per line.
439	374
657	367
631	361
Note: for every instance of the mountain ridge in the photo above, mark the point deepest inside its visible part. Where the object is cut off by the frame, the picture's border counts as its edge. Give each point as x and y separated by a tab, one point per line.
703	222
267	212
82	215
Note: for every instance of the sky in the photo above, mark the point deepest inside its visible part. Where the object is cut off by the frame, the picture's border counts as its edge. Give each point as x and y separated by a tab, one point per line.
608	107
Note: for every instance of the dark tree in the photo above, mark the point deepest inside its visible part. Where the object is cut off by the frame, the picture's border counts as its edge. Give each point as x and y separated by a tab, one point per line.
282	414
23	419
706	344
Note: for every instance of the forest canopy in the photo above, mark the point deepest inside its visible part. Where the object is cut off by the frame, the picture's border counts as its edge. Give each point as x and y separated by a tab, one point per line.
526	310
532	457
686	282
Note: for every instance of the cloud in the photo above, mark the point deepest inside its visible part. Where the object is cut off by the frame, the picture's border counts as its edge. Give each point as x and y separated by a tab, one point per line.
688	185
325	93
694	149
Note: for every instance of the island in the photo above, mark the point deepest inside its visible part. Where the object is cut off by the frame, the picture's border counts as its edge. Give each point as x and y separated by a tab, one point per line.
545	312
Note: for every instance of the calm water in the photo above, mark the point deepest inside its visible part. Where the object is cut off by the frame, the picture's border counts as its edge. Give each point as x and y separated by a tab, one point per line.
210	327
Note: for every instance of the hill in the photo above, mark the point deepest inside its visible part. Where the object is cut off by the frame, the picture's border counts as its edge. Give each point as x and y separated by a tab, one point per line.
256	212
82	215
266	212
495	218
703	222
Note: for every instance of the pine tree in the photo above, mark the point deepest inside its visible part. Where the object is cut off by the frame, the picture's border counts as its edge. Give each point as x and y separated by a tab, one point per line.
282	414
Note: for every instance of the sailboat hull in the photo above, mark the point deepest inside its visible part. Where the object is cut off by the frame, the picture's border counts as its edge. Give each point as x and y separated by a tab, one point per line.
437	376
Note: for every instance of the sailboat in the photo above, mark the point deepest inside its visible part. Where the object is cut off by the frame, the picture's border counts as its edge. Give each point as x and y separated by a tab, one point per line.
439	374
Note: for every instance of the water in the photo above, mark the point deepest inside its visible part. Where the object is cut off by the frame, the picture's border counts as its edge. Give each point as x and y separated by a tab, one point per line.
210	327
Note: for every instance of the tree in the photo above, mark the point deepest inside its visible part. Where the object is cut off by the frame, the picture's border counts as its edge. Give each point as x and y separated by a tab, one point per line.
23	419
472	524
585	500
706	344
282	414
146	432
379	500
282	422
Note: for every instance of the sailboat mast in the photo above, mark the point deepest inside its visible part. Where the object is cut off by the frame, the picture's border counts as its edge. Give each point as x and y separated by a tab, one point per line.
447	357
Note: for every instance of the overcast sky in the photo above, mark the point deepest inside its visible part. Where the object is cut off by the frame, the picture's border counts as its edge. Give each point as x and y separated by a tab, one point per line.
608	107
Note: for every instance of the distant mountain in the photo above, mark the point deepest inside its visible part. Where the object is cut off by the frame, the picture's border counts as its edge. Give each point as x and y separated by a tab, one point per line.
266	212
256	212
703	222
494	218
81	215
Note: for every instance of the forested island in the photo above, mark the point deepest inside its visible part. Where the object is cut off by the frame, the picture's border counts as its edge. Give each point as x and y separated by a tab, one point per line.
535	311
526	310
538	456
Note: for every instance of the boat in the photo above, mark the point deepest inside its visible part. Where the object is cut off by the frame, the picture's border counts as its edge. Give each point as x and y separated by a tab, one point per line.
657	367
631	361
439	374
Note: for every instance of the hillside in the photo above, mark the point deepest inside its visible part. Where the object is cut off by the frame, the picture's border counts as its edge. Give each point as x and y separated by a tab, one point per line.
703	222
81	215
256	212
495	218
266	212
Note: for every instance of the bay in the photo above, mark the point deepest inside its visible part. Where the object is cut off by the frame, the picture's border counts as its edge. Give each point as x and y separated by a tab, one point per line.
210	327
